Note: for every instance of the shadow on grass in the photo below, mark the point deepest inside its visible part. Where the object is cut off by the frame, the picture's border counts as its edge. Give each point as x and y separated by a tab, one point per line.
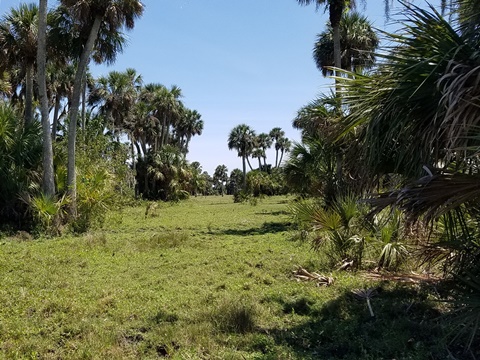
405	326
274	213
266	228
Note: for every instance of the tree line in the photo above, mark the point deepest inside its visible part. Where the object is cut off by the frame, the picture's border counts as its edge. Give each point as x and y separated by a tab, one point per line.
69	142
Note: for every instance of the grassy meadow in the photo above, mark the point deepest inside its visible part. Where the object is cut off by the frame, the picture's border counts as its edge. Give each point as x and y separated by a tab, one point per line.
202	279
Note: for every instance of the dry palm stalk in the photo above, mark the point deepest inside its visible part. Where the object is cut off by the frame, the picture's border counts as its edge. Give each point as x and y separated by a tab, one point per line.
303	275
367	295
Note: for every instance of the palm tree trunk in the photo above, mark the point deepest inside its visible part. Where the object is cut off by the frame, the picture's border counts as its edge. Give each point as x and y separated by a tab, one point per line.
73	114
56	110
244	168
29	94
134	167
337	54
248	162
281	157
276	158
48	185
84	102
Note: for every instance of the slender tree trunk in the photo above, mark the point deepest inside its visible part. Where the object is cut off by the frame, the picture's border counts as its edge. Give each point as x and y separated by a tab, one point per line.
281	157
137	146
134	167
244	168
84	102
337	54
29	94
73	114
276	158
162	133
56	110
260	164
48	174
248	162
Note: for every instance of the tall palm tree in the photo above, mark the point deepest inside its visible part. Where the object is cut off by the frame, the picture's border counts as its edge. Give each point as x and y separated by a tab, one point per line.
48	174
166	108
264	142
92	14
259	154
220	177
283	145
423	102
116	95
18	45
242	139
276	134
358	43
335	10
60	86
190	124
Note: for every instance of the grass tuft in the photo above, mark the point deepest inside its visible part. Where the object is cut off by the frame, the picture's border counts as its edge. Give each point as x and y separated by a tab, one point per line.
235	316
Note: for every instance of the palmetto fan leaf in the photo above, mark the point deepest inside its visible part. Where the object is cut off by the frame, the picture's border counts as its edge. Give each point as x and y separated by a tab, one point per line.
433	195
412	105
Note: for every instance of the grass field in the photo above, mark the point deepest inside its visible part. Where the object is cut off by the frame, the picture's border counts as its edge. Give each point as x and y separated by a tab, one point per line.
203	279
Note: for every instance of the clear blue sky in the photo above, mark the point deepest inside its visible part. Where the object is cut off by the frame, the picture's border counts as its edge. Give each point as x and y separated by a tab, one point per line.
236	62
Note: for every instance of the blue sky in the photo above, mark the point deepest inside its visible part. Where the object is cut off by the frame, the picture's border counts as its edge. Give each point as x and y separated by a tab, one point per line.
236	62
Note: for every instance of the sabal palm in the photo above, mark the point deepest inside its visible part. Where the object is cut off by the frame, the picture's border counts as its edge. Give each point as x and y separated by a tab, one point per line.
420	106
264	141
220	177
335	10
117	93
190	124
358	42
92	14
424	101
242	139
166	107
276	134
283	145
18	44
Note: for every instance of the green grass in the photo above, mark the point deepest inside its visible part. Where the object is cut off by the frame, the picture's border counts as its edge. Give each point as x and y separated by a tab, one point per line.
203	279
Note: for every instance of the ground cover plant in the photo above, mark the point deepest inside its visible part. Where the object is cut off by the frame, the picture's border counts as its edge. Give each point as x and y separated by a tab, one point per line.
206	278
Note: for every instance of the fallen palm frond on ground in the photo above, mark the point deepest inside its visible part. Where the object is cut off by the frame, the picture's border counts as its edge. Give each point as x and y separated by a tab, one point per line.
303	275
405	278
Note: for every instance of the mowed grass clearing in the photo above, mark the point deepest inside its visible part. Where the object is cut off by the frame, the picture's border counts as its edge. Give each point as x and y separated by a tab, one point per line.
202	279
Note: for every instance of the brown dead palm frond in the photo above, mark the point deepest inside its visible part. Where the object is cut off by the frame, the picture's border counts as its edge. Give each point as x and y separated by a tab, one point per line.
303	275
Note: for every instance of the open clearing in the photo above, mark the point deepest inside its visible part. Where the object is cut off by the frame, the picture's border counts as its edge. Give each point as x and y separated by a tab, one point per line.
202	279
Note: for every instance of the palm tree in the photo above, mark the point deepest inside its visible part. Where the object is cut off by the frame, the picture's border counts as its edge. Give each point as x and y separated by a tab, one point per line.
116	94
48	174
358	43
60	86
190	124
276	134
283	145
259	154
220	177
336	9
92	14
423	103
242	138
18	45
264	142
166	108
